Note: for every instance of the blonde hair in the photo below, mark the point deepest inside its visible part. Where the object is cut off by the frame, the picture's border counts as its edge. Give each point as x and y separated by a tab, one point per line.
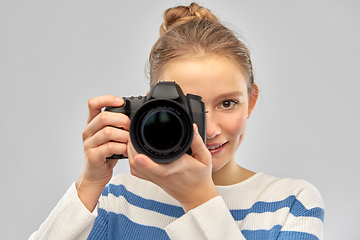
192	31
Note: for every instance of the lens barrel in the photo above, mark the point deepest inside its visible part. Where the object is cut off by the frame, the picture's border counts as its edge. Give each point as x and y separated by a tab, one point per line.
161	129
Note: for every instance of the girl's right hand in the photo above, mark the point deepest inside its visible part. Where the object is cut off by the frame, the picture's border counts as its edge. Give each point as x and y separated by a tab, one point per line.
106	134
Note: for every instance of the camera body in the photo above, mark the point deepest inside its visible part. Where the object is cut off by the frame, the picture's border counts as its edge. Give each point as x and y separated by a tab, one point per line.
161	124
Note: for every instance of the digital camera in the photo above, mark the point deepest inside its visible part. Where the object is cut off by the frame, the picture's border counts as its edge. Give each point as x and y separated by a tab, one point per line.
161	125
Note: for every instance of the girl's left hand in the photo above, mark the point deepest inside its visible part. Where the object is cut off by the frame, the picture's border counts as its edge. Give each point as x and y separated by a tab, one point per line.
188	179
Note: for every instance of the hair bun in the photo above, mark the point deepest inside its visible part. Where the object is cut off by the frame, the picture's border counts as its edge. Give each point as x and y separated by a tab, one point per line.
181	14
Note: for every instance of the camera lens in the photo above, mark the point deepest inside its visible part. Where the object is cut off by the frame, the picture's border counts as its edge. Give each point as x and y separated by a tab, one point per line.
162	130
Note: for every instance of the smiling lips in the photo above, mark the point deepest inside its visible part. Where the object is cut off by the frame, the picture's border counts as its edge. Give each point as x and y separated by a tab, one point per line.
215	148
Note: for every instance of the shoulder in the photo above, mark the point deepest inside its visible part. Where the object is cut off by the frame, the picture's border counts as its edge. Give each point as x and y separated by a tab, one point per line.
262	188
290	186
286	184
299	192
270	187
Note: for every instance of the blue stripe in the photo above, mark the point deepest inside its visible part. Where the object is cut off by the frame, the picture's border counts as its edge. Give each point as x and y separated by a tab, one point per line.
276	233
120	227
136	200
298	209
262	234
100	227
287	235
295	206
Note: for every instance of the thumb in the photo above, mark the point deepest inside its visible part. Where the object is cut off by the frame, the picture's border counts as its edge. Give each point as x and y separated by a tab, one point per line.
199	150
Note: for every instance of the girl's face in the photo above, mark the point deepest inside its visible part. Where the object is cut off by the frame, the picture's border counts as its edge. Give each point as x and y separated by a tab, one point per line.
223	88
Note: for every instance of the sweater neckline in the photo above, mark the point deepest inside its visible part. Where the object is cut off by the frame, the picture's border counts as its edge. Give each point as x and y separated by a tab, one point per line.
245	182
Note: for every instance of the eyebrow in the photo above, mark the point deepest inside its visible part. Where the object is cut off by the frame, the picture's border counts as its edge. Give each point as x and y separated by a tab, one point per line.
229	95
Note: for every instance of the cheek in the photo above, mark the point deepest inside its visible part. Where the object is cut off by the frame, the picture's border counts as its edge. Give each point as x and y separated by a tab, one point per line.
236	125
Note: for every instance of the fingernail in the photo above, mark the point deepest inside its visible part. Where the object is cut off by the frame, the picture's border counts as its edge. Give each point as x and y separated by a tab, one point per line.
196	130
119	100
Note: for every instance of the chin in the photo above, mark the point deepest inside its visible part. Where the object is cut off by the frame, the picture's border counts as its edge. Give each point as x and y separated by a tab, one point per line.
216	165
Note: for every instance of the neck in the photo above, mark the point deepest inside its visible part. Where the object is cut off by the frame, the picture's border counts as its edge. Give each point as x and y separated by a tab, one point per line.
231	174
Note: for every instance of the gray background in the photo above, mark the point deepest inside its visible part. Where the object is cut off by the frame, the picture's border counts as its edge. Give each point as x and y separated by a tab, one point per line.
55	55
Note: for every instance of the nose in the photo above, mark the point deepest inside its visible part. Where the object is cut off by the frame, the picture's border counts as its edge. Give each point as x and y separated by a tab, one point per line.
213	128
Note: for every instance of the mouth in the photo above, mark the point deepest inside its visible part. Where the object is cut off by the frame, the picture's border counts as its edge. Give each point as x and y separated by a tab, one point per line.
214	148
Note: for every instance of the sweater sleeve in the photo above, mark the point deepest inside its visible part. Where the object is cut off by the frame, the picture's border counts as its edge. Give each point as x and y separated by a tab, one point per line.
211	220
68	220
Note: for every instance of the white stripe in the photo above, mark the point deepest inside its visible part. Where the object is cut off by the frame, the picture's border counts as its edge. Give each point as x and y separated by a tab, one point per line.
136	214
265	221
266	188
258	188
304	224
143	188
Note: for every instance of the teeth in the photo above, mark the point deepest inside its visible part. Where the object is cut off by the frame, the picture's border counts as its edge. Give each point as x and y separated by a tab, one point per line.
214	147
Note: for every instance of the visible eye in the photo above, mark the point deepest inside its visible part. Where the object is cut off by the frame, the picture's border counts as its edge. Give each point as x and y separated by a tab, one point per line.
228	104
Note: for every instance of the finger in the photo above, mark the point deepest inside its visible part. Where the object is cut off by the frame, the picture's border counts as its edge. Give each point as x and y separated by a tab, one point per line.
105	135
98	155
136	168
105	119
147	168
140	165
152	171
199	150
97	103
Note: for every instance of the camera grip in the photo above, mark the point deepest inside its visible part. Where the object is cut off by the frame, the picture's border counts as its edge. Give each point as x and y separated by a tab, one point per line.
131	104
125	109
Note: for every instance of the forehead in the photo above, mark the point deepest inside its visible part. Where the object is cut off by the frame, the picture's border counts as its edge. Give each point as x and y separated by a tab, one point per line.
207	76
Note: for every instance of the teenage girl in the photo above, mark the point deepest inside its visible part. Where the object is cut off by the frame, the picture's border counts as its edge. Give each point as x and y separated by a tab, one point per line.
206	195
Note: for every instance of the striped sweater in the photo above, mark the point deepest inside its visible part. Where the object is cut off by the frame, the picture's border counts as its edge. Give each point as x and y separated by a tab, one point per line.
261	207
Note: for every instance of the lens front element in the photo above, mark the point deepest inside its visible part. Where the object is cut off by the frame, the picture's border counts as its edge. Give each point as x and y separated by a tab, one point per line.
162	131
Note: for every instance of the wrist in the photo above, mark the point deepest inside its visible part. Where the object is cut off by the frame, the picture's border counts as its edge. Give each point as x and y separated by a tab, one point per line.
88	192
199	199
